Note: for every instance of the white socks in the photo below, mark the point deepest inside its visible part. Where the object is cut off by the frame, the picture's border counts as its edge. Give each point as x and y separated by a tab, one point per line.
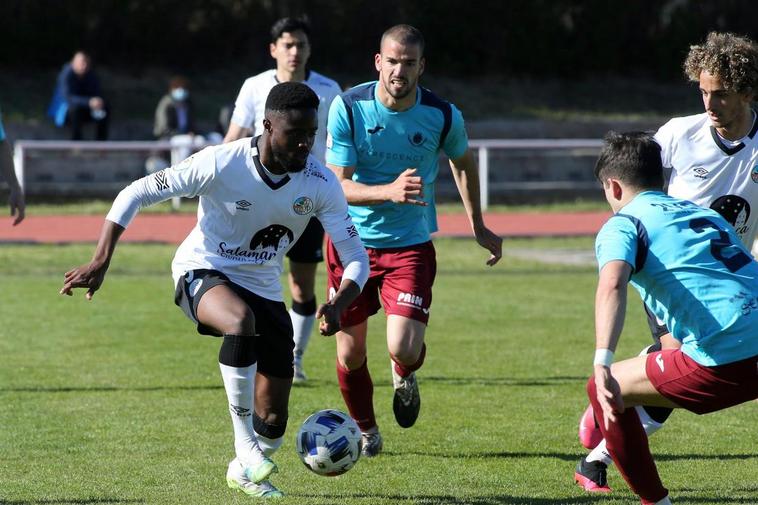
600	453
302	327
239	384
269	445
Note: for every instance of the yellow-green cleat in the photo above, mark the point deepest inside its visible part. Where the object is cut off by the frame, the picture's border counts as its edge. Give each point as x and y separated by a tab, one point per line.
239	477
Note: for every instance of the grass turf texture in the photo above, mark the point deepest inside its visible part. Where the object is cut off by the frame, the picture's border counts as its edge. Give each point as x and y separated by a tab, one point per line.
119	401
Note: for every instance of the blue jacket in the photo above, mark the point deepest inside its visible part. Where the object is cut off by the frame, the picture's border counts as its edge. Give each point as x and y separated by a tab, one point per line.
72	90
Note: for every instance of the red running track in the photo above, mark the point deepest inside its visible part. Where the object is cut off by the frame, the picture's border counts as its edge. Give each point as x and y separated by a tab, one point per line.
172	228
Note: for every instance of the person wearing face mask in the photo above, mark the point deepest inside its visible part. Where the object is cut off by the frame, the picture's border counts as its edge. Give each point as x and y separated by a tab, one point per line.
174	114
175	121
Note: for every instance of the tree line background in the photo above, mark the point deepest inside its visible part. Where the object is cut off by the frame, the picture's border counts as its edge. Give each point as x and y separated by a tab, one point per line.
535	38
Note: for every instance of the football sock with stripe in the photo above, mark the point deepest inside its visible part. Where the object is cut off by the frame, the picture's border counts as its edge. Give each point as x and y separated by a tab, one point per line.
237	362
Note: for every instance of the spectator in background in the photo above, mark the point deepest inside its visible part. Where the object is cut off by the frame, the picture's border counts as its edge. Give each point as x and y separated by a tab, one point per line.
7	172
174	114
175	121
78	98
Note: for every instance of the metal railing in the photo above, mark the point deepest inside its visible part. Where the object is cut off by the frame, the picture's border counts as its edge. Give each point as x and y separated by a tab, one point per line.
179	150
484	146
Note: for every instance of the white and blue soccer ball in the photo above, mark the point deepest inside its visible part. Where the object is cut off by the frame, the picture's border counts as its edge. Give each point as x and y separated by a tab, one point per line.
329	442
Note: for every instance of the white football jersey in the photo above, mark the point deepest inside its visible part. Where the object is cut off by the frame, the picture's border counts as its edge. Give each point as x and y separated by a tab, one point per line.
251	102
246	221
711	173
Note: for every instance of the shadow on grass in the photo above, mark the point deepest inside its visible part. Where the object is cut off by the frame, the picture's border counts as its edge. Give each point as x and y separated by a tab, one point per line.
313	383
453	500
572	457
506	381
105	389
71	501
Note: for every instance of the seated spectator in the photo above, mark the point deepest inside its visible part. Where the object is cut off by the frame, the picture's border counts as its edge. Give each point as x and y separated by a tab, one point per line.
78	98
174	114
175	121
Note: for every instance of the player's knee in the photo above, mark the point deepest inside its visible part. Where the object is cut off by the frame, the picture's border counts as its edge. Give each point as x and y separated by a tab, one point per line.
239	320
352	361
351	353
406	352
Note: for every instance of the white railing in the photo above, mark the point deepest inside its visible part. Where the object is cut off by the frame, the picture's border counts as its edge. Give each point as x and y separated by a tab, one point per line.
181	149
483	147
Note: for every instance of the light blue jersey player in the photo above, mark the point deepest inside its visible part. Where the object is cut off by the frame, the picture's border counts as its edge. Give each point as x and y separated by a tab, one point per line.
383	144
692	271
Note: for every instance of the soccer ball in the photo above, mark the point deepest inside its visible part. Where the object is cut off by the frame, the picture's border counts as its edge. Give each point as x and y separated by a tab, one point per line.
329	442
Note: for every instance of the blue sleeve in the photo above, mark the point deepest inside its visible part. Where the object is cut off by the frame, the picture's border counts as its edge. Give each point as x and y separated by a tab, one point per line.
2	130
340	149
456	142
617	240
65	84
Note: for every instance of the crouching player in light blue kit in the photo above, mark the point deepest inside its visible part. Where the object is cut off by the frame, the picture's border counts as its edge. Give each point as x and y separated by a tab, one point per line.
694	274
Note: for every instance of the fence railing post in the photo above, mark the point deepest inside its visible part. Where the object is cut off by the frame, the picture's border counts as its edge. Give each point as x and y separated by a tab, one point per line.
484	171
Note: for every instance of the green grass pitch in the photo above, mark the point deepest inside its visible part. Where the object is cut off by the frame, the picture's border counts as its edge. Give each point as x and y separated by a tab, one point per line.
119	401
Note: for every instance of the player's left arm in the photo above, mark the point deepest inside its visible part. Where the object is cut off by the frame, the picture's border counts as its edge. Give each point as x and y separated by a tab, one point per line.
332	212
466	177
353	255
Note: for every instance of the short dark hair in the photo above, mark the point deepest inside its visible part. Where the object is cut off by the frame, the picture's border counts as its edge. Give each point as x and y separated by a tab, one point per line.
291	95
290	25
405	34
634	158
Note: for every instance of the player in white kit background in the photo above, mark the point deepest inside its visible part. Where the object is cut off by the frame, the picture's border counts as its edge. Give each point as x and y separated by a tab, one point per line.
256	198
290	48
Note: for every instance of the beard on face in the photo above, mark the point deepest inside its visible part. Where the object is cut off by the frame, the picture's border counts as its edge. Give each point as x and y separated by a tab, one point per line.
289	162
401	93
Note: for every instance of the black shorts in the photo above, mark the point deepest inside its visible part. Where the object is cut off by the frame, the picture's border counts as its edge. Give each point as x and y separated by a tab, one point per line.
273	327
657	330
309	248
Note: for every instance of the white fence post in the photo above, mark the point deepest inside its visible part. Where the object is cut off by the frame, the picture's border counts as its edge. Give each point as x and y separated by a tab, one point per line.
18	164
484	171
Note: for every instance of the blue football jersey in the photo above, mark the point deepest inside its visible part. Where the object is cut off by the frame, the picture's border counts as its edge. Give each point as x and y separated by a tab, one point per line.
381	143
691	270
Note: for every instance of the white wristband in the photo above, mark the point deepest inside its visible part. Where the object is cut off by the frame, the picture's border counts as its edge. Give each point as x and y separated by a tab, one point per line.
603	357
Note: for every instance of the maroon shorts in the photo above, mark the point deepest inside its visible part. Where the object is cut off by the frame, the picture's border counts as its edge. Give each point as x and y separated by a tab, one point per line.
401	280
702	389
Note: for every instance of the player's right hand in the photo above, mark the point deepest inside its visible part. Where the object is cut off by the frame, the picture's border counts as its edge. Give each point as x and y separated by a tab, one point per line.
408	188
88	276
608	394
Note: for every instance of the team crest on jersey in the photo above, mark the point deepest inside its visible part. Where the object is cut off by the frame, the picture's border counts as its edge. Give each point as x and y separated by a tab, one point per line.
303	206
416	139
754	174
